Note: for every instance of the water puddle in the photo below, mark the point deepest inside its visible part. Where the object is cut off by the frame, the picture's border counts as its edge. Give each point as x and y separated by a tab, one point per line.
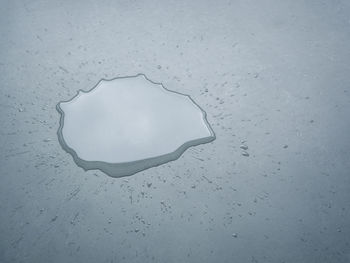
125	125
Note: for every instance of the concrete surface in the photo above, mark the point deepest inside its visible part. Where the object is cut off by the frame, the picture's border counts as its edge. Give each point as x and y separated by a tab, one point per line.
272	74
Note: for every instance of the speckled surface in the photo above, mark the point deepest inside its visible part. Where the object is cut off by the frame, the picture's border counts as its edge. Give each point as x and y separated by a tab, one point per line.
272	76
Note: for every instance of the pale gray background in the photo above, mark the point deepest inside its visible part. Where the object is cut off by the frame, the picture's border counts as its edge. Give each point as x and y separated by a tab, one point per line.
268	72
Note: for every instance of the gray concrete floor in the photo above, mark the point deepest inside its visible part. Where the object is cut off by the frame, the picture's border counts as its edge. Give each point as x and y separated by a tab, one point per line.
272	73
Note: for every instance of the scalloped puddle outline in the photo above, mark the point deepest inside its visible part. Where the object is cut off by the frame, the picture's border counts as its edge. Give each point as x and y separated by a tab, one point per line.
122	169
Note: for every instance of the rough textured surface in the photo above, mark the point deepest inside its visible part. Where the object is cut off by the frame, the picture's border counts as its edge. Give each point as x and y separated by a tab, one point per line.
274	74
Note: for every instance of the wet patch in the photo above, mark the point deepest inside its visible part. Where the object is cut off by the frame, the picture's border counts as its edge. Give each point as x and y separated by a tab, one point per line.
125	125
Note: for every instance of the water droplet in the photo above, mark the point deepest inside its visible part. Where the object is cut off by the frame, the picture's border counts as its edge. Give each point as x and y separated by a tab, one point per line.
244	153
244	147
129	124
